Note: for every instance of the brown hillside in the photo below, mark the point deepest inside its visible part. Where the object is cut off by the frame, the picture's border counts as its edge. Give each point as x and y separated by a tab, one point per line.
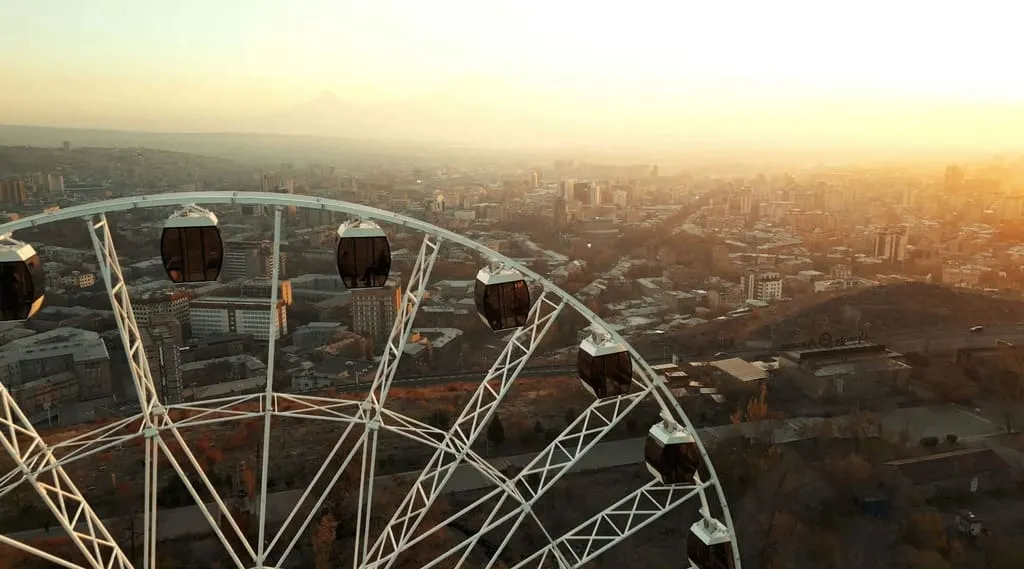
879	311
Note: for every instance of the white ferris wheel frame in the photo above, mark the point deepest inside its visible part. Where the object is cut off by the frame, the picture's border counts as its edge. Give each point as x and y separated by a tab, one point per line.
42	465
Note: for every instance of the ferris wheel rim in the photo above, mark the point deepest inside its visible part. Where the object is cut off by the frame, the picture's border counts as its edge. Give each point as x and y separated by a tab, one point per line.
660	390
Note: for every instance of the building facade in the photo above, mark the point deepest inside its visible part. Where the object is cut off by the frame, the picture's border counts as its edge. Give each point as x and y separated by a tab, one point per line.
214	316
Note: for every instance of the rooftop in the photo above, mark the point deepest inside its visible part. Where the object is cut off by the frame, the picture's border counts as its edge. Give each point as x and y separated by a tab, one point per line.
741	369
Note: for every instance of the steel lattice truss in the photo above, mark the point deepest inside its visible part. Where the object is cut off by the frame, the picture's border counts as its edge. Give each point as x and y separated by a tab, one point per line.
360	422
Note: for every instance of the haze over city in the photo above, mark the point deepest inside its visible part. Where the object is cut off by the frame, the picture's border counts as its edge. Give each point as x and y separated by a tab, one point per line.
399	284
663	75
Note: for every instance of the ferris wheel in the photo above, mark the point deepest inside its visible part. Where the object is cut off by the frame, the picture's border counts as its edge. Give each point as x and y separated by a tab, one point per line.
512	300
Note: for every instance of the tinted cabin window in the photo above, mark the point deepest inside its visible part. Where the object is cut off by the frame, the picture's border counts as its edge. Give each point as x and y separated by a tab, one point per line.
17	289
721	556
214	253
364	262
697	551
653	454
382	264
37	276
499	305
584	365
678	466
521	296
192	254
615	372
479	298
620	371
717	556
170	251
693	463
193	249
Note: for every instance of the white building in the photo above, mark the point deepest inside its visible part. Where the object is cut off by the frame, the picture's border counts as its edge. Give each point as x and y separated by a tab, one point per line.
217	315
765	286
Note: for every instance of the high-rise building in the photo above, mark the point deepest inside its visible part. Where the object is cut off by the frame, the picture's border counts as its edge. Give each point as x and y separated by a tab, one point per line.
55	184
954	177
561	213
535	179
268	182
891	243
251	259
12	192
373	312
568	189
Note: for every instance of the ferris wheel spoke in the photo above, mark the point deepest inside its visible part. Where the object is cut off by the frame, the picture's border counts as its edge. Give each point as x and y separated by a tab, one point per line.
619	521
268	405
76	448
32	550
26	447
382	380
215	411
117	290
404	320
223	512
155	420
327	467
317	408
557	459
471	422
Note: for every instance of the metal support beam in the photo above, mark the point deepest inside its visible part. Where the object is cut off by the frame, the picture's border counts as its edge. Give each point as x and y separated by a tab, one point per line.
412	297
619	521
268	393
22	443
465	430
540	474
154	415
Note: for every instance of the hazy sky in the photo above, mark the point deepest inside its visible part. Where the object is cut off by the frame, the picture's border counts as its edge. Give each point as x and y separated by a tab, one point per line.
899	72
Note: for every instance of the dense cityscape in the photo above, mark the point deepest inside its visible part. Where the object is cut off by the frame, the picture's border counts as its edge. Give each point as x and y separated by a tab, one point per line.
511	285
876	307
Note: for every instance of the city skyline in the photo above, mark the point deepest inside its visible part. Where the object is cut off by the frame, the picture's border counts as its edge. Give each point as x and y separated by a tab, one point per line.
658	76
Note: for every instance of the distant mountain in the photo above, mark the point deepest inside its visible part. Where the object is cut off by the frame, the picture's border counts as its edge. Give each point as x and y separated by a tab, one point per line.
247	146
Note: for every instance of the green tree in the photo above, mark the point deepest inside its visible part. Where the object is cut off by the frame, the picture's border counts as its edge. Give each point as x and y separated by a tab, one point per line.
496	431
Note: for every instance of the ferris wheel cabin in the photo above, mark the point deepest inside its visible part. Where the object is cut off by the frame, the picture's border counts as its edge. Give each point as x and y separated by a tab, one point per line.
191	247
671	455
364	255
502	298
604	367
709	546
22	282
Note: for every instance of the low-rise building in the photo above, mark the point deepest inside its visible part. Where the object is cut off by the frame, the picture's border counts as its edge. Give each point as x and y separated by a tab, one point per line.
853	371
55	368
960	471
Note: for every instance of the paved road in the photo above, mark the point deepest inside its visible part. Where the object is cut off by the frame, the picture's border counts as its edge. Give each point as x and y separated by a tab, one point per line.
920	340
919	421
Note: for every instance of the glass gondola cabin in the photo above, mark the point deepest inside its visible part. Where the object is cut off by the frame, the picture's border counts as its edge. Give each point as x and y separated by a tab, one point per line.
191	247
22	282
672	456
364	255
502	298
708	545
604	367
